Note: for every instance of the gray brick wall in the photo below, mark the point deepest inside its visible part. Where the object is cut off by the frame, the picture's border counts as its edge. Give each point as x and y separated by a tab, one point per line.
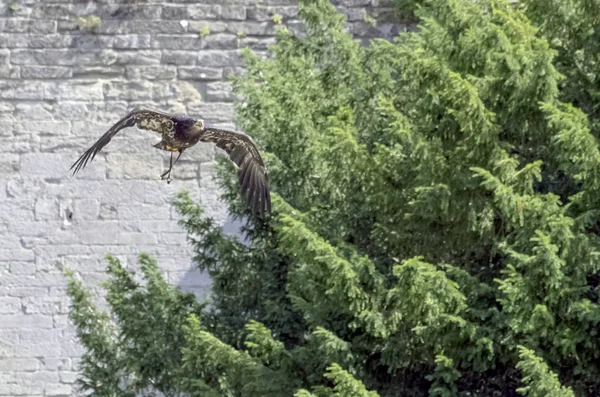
60	88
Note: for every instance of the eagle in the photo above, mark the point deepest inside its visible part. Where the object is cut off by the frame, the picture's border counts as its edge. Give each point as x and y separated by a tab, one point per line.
180	132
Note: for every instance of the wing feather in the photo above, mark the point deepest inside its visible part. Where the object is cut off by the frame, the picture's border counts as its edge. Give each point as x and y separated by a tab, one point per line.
252	172
145	119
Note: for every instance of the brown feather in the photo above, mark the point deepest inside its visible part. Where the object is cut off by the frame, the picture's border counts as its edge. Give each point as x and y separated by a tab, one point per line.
252	172
145	119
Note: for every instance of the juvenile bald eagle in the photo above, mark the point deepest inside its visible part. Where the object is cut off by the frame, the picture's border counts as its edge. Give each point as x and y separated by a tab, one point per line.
180	132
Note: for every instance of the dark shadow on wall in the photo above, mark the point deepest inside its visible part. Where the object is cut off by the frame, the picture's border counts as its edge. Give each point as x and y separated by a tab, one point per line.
197	282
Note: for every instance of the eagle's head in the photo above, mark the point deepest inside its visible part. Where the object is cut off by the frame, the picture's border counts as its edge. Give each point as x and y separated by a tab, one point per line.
199	124
197	128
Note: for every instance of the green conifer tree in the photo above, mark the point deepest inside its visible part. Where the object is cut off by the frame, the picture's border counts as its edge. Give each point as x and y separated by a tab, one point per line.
435	201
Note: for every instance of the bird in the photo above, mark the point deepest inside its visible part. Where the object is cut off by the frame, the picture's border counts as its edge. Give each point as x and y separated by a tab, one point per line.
180	132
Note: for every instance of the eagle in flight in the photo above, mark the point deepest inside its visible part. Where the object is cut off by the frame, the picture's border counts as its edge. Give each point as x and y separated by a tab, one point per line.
179	132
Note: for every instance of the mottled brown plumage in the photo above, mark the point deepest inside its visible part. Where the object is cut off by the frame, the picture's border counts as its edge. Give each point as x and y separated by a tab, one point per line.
180	132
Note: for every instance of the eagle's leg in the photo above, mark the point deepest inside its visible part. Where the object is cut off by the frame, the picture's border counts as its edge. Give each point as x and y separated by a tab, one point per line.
168	172
171	164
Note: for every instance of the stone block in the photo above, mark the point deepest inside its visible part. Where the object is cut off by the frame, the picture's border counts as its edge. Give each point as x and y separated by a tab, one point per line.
199	73
219	91
68	377
17	25
44	165
16	209
123	166
42	128
174	42
132	41
13	389
143	57
25	321
92	42
77	91
70	111
56	364
151	72
180	91
257	43
99	232
22	90
46	305
42	27
130	91
35	378
263	14
212	26
220	41
25	112
10	72
86	209
53	11
177	12
203	11
233	12
10	305
135	239
58	390
128	12
177	57
25	292
136	211
216	59
27	268
252	28
19	364
213	112
104	72
46	209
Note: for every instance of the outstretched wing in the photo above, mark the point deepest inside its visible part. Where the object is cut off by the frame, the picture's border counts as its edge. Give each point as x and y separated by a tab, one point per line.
145	119
252	173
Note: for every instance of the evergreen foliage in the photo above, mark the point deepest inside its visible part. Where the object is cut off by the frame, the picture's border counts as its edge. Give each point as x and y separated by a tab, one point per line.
435	230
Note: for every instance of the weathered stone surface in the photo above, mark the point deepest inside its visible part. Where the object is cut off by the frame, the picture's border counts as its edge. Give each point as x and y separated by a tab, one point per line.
9	72
98	71
252	28
80	91
203	11
132	41
219	58
145	57
150	72
199	73
257	44
179	57
219	91
127	91
140	26
267	13
213	112
212	26
64	57
46	72
14	25
177	11
125	11
234	12
44	165
28	90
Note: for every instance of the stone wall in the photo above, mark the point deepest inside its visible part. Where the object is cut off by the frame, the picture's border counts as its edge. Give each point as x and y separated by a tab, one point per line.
61	87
